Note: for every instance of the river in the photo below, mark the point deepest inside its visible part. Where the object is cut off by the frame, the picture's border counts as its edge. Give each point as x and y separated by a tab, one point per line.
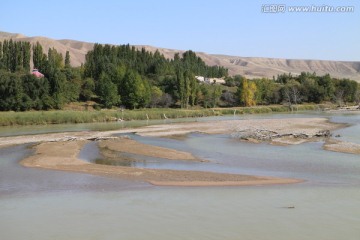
44	204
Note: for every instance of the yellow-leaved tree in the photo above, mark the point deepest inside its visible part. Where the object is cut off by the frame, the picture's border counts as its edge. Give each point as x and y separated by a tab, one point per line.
246	93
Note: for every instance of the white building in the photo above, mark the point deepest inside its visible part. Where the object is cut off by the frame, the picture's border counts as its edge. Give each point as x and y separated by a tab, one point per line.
210	80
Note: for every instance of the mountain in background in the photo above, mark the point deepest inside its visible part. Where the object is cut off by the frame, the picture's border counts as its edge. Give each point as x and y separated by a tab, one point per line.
250	67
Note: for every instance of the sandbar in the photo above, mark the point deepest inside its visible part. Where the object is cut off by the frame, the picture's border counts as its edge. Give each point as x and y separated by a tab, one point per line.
341	146
63	156
59	151
127	145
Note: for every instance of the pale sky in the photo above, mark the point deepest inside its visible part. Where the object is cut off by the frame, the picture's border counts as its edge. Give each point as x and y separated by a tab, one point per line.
230	27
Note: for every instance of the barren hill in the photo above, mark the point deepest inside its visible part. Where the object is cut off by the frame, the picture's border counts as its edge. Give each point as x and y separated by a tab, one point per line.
250	67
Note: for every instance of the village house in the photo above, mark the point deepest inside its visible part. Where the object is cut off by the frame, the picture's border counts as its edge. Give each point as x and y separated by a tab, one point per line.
210	80
36	73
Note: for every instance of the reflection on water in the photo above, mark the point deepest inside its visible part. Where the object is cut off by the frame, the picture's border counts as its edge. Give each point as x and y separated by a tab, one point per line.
43	204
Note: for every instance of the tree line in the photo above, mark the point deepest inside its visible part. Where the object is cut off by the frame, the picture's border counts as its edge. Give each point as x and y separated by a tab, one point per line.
21	91
123	76
111	76
139	78
292	90
15	56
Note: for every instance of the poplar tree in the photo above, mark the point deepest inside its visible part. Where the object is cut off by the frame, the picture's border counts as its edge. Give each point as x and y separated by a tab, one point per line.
26	55
67	60
38	56
246	92
1	55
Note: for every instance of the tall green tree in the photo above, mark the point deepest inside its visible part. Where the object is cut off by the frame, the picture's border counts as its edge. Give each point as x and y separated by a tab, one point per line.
67	60
6	56
135	91
26	55
87	91
37	92
1	56
11	92
55	59
38	56
107	91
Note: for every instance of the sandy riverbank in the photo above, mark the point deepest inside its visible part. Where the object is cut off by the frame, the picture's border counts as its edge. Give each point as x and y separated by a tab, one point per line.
63	156
55	151
309	126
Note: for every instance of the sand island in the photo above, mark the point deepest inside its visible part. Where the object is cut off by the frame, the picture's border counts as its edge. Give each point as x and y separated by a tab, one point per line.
59	151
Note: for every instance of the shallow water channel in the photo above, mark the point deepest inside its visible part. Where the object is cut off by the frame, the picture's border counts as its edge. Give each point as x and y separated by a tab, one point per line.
44	204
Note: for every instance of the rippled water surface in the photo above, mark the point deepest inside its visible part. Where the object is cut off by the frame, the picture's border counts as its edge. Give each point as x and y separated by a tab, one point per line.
43	204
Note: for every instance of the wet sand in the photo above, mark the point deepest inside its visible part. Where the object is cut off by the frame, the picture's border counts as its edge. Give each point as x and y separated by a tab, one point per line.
63	156
125	145
309	126
59	151
340	146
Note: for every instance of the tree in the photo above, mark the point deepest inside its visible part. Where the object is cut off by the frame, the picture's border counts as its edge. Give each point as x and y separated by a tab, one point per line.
6	56
38	56
37	91
291	93
87	89
1	55
339	97
58	83
26	55
11	91
182	89
229	98
357	95
107	91
134	91
215	95
349	89
328	86
156	96
246	92
55	59
209	95
166	100
67	60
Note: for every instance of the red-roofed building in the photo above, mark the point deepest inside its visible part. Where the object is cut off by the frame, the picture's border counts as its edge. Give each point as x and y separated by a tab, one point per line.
37	74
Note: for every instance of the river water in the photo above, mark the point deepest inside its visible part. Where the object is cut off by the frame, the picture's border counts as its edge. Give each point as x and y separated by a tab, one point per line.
44	204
